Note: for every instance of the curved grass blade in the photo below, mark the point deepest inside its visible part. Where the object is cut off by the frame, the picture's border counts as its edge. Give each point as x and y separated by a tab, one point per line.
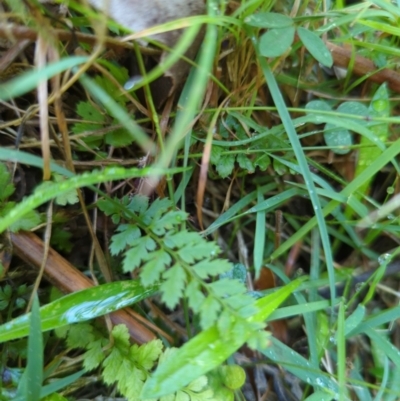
119	113
301	159
56	385
209	349
259	244
49	190
30	80
80	306
34	368
300	367
386	157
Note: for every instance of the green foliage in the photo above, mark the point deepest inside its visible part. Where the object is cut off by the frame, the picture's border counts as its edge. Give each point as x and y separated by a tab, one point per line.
280	35
30	219
129	366
95	119
250	153
152	238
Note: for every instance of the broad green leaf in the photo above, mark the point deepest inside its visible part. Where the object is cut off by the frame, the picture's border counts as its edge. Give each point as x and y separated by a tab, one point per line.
34	367
336	136
225	165
338	139
80	306
316	46
269	20
276	41
209	349
245	163
318	105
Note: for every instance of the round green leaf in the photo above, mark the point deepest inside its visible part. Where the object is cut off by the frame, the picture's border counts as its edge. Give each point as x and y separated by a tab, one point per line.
318	105
337	138
276	41
233	376
356	108
316	46
268	20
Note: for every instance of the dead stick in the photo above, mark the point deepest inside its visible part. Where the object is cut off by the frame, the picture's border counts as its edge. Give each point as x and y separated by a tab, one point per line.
29	247
364	67
13	31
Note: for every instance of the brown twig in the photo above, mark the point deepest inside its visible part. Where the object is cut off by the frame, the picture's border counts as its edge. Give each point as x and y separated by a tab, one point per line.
29	247
12	31
342	57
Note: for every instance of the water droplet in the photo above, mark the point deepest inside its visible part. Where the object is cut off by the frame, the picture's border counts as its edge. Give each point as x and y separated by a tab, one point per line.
131	82
384	258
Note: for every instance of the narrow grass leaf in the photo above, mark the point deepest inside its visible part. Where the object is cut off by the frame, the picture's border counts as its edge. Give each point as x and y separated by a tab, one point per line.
30	80
386	157
119	113
307	176
56	385
394	386
354	319
234	210
341	354
316	46
390	350
259	242
275	200
384	380
50	190
386	316
79	307
300	367
359	385
208	349
301	309
320	396
34	368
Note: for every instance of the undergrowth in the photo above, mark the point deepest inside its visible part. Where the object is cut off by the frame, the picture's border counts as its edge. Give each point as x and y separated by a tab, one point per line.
264	196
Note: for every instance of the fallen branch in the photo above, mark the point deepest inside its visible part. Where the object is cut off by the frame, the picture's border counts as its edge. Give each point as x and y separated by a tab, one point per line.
362	66
30	248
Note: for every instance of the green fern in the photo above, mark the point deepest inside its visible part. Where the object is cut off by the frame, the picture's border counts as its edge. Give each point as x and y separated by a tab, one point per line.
129	366
94	118
150	238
